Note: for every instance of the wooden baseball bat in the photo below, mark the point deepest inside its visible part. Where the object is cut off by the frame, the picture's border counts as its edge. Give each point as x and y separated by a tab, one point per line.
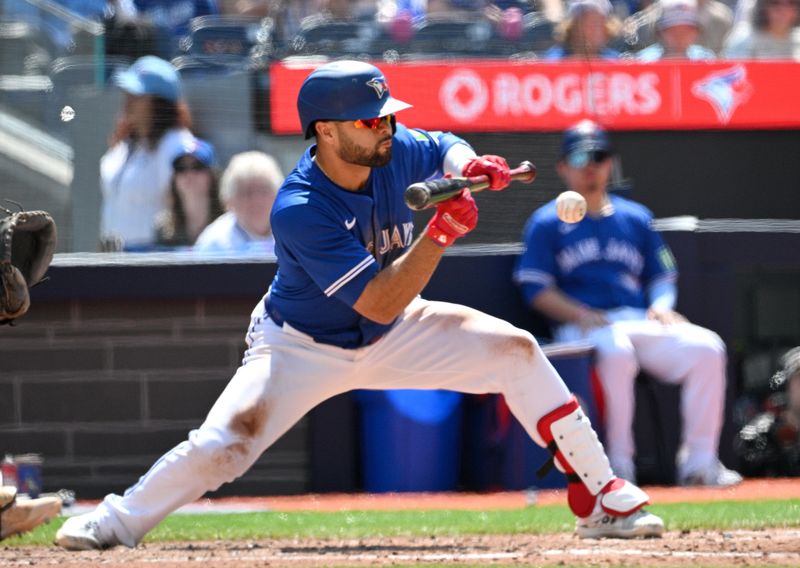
422	195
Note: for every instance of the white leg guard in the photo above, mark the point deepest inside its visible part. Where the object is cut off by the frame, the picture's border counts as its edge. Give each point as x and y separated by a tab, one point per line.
579	454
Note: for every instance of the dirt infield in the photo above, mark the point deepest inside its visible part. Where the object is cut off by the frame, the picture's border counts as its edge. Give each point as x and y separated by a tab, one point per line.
687	548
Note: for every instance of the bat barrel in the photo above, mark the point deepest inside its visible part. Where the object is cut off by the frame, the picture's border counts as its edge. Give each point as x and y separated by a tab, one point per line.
417	196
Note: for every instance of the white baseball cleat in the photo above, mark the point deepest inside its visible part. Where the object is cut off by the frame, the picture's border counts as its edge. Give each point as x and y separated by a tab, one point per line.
639	524
717	475
83	532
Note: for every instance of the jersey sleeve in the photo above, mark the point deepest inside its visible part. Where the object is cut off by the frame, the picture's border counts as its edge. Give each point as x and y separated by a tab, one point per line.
332	257
536	268
424	151
659	263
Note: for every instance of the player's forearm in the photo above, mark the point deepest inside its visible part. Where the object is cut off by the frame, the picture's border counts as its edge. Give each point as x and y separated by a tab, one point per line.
559	307
393	288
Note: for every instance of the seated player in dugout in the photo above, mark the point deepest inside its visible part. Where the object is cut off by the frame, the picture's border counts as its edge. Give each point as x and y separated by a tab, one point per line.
610	279
344	312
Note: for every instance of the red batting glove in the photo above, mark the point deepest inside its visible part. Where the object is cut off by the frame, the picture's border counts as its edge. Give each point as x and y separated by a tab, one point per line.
454	218
495	167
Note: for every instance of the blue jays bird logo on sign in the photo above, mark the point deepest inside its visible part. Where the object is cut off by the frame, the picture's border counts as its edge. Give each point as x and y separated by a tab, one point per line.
379	84
724	91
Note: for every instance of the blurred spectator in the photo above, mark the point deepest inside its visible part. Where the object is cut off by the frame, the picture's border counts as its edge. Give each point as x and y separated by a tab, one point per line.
193	200
136	170
586	32
174	15
254	8
419	10
678	32
247	190
292	13
56	27
773	33
455	9
769	445
131	37
714	22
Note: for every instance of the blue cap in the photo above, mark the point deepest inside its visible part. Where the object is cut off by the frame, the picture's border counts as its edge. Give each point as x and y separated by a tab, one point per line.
585	136
151	75
200	150
345	90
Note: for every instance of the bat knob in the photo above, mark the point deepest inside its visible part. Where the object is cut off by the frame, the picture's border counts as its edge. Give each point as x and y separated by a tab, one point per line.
417	196
531	171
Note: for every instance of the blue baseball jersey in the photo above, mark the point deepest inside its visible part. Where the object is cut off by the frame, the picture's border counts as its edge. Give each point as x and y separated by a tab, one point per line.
604	262
330	242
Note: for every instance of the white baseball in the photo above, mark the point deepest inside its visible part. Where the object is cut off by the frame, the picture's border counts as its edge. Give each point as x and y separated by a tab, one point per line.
67	113
570	206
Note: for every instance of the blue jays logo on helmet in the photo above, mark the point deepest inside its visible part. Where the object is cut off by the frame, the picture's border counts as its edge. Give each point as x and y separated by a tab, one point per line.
380	86
345	90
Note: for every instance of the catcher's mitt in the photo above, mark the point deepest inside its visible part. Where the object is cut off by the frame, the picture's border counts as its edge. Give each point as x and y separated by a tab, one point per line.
27	243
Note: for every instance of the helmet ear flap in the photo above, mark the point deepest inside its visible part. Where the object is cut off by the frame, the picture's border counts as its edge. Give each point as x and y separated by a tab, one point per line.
310	129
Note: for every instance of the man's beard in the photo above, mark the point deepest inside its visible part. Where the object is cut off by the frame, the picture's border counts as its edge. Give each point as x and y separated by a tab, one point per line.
352	154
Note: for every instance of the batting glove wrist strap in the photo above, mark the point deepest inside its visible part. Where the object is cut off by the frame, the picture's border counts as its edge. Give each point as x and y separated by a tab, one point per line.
454	218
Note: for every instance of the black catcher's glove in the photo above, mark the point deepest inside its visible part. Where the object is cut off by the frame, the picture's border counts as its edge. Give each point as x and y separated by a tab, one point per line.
27	243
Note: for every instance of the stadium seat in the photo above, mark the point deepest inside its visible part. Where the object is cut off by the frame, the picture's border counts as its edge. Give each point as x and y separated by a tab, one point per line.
460	37
81	70
318	35
227	36
198	65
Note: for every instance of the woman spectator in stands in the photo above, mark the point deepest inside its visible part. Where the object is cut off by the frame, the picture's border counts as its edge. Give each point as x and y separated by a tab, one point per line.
136	170
193	198
678	29
247	190
772	34
586	32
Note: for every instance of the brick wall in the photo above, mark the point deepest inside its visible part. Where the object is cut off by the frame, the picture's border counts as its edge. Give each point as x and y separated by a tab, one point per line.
103	388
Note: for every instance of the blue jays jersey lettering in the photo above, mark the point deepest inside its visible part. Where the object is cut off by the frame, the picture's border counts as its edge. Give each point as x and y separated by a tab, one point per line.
604	262
331	242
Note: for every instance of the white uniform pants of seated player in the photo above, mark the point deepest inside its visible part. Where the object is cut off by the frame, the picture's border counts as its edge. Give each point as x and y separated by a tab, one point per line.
285	374
684	354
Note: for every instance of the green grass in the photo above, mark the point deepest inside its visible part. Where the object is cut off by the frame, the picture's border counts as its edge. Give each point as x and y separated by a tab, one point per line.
720	515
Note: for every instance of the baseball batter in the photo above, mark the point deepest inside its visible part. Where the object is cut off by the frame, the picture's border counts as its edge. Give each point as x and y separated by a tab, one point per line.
343	312
611	279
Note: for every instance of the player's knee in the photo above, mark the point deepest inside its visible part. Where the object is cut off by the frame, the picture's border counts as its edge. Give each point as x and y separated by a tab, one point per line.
707	347
219	456
515	345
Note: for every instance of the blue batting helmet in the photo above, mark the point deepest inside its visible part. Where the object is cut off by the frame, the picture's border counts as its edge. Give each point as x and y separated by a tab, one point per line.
585	136
344	90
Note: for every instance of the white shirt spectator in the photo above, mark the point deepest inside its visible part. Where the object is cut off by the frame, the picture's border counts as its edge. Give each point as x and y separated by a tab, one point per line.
134	182
225	234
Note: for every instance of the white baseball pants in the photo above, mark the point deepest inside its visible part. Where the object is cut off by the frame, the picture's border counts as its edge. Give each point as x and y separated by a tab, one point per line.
684	354
284	374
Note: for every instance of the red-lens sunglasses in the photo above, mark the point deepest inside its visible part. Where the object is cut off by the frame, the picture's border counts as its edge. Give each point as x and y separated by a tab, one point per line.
373	123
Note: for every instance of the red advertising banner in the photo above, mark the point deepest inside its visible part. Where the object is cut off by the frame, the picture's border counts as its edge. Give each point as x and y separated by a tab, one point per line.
495	96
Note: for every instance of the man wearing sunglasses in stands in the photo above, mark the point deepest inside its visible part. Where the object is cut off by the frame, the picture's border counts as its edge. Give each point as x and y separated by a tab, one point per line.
611	280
